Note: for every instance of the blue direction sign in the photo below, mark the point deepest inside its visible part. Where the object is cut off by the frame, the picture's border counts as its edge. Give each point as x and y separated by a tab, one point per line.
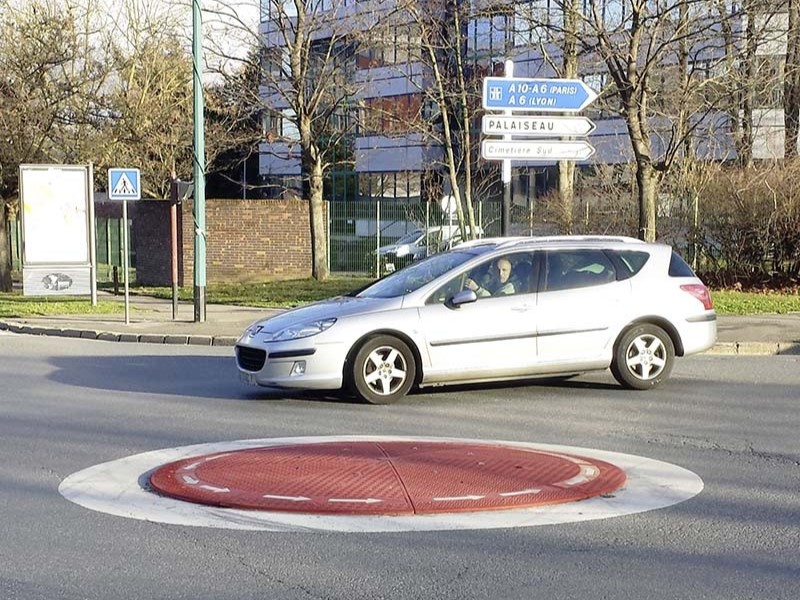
124	184
540	95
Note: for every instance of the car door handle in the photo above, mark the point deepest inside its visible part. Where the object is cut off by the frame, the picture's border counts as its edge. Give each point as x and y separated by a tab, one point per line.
523	308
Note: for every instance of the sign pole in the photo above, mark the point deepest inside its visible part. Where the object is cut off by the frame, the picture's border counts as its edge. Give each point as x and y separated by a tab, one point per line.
124	184
505	220
125	259
92	233
173	236
199	167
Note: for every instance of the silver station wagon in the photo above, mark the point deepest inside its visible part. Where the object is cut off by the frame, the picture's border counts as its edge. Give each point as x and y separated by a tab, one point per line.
492	310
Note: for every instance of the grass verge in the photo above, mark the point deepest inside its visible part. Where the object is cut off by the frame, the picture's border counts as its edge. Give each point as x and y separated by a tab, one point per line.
733	302
18	306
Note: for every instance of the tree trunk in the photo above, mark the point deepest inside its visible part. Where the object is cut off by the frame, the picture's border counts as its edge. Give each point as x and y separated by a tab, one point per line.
566	169
647	189
319	230
791	86
744	149
566	192
5	250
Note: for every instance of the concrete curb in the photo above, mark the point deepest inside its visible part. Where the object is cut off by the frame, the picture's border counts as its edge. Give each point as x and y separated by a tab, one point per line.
720	348
756	348
109	336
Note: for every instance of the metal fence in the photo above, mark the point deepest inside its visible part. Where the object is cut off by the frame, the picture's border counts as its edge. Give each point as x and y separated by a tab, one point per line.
358	229
15	235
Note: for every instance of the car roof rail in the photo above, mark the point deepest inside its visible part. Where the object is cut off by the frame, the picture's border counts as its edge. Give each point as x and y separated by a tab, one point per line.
589	238
491	241
511	241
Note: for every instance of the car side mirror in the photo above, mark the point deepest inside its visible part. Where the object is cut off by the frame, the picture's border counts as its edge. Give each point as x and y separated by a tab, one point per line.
462	297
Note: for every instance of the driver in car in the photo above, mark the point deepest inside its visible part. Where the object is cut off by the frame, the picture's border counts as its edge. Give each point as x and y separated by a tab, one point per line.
500	284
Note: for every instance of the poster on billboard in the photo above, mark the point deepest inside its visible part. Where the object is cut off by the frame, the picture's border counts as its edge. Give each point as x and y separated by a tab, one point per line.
57	229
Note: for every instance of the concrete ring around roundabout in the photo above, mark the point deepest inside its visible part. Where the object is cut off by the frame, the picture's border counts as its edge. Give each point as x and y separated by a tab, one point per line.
121	488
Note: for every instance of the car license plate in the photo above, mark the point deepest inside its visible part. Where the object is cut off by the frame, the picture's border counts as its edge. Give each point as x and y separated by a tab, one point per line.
248	377
390	267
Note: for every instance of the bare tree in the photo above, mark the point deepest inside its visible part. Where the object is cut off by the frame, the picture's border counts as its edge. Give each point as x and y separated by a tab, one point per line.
569	70
44	69
647	48
751	32
309	82
79	85
150	114
452	85
149	118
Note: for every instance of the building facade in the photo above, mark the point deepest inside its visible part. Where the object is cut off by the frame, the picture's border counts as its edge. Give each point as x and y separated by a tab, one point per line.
392	144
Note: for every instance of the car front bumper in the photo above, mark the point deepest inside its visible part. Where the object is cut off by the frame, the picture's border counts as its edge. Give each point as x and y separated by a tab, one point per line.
299	364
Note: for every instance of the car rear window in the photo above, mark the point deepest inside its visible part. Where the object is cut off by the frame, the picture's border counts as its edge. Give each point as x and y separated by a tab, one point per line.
569	269
629	262
679	268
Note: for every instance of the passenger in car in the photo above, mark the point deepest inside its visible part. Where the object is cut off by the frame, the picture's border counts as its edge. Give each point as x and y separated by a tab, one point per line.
500	285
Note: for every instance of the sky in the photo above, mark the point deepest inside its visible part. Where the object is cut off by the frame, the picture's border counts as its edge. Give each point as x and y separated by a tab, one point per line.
230	27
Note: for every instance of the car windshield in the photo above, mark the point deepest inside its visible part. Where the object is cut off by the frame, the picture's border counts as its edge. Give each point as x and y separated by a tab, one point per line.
414	276
409	238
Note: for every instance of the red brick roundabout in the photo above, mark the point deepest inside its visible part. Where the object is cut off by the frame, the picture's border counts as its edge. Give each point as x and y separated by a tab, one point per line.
385	478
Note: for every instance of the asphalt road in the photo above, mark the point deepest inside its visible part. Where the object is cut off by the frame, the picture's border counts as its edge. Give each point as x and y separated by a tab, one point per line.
67	404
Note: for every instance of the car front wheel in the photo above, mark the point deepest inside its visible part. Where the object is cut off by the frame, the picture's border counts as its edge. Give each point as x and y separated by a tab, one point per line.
643	357
383	370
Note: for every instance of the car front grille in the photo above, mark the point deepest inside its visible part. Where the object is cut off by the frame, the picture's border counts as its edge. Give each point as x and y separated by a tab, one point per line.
250	359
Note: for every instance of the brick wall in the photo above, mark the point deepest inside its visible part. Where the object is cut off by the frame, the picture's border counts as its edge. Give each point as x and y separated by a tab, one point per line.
246	240
250	240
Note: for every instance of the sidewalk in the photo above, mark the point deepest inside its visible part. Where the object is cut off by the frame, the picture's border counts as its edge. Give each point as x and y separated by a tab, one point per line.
151	321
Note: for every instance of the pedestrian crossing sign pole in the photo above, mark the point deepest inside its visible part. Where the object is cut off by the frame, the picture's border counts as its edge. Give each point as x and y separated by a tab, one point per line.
124	184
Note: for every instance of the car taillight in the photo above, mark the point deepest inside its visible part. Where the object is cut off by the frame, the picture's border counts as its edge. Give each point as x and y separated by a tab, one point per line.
699	291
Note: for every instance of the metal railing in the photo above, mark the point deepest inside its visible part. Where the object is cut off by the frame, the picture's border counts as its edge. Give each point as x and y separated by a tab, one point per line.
358	229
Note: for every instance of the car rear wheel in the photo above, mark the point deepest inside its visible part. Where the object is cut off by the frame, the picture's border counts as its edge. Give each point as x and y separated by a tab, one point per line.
643	357
383	370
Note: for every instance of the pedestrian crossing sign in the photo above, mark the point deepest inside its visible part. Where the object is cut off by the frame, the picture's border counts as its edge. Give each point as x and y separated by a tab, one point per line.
124	184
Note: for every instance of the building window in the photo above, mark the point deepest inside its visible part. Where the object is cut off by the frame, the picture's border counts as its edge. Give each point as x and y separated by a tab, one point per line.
611	13
598	82
404	186
275	63
274	10
770	74
533	20
489	34
289	131
279	125
391	114
393	46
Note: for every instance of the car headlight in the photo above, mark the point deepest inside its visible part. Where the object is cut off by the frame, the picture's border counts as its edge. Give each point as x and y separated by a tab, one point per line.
253	330
402	251
302	330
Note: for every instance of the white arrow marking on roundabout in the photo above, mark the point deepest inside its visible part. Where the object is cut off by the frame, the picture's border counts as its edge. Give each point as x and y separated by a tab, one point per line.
458	498
521	492
289	498
216	490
